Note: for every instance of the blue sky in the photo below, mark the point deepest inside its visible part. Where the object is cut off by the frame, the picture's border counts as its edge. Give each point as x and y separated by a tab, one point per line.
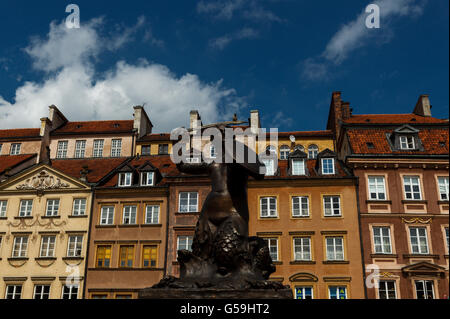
282	57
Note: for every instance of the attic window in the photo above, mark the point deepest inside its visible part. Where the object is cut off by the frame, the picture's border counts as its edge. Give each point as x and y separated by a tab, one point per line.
125	179
116	124
413	119
407	142
370	145
79	126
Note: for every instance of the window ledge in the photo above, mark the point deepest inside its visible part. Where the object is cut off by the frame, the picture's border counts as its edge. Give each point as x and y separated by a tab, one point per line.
105	226
23	217
268	217
151	225
73	258
45	258
336	262
48	217
302	262
18	258
378	201
186	213
277	262
78	216
3	217
440	202
380	255
128	225
421	256
414	201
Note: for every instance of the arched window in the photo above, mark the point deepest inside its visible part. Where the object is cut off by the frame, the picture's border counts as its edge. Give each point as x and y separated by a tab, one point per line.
299	147
312	151
284	152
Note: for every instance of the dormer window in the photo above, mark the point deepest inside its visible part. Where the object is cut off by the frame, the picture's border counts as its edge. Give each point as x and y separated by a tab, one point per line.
163	149
147	178
284	152
327	166
298	166
125	179
407	142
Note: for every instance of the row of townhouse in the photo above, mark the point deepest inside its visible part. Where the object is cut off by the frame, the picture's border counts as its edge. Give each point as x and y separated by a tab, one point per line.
98	209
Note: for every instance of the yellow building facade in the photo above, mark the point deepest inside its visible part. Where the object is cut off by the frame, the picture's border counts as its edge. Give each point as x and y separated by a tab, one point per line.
44	222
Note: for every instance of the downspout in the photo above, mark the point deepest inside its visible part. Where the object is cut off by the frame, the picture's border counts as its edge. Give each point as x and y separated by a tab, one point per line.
360	236
88	243
167	232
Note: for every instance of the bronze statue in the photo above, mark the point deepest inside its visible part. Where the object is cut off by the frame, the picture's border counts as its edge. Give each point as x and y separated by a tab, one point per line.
223	256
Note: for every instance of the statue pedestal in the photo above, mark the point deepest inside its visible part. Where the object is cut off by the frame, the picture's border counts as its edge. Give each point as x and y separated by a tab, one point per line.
214	293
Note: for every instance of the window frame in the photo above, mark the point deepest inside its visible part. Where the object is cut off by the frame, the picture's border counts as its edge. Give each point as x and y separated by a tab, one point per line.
54	207
102	251
425	288
14	293
151	247
15	148
334	252
271	212
376	185
301	215
338	292
3	207
386	289
302	168
420	252
97	147
48	246
70	292
303	291
75	248
285	150
80	149
125	179
411	185
109	215
21	252
76	212
42	293
188	205
189	238
130	213
404	140
61	149
27	213
146	174
382	236
116	147
127	253
314	151
323	166
445	186
302	246
269	241
152	213
332	209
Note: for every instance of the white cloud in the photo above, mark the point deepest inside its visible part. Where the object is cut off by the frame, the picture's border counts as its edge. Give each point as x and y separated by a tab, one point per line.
73	84
355	34
221	42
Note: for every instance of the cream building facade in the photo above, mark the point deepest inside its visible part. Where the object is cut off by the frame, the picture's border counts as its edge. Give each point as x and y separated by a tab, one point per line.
44	222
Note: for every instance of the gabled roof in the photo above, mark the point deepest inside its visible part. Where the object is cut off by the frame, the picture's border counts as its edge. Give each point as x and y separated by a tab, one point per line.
11	161
434	140
98	168
97	127
20	133
392	119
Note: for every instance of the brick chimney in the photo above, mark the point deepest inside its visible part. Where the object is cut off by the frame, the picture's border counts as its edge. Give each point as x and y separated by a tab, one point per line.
255	124
142	122
423	107
194	119
339	111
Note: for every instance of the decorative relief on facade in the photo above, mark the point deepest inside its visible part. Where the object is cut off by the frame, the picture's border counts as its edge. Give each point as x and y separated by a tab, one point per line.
42	181
417	220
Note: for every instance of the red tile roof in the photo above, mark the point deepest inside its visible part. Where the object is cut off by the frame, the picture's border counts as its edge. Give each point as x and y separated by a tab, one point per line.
430	138
155	137
11	161
97	167
324	133
392	119
19	133
312	172
88	127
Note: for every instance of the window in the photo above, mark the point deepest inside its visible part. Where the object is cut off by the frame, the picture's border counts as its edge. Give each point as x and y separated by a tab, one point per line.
145	149
412	187
212	151
1	148
126	256
443	187
26	206
424	289
299	147
15	149
52	207
387	290
123	296
149	256
382	240
20	247
103	259
446	237
3	204
79	207
125	179
98	148
188	202
107	215
184	243
268	207
61	151
377	188
116	147
80	148
272	243
70	292
284	152
303	293
300	206
313	150
270	166
407	142
13	292
48	246
298	167
147	178
335	248
75	246
99	296
41	292
129	215
163	149
327	166
152	214
302	248
337	292
419	241
332	205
